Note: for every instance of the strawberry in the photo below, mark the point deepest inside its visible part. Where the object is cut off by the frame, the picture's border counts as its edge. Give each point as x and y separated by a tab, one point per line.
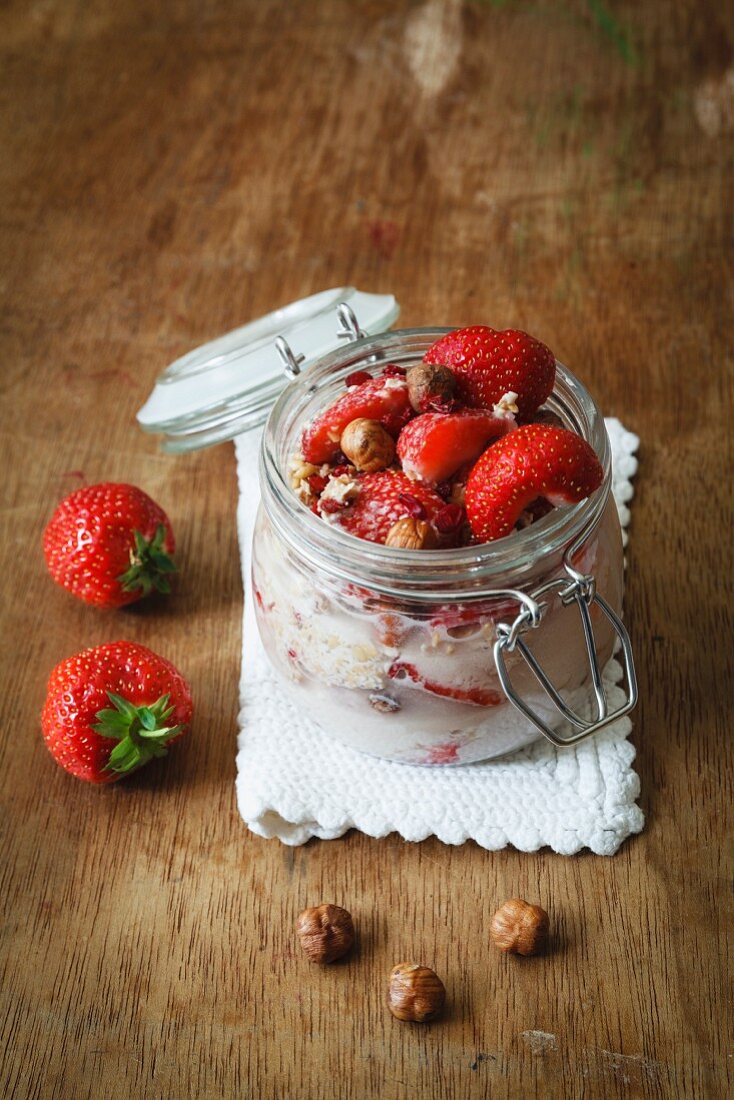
450	518
391	629
383	399
481	697
356	378
488	364
434	445
536	460
384	498
462	619
101	743
445	753
109	545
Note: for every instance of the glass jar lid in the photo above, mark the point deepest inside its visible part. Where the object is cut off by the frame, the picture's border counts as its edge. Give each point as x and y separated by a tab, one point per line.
228	386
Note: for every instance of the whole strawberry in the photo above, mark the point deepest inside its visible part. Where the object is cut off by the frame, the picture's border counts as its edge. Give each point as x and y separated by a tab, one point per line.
488	364
110	545
111	709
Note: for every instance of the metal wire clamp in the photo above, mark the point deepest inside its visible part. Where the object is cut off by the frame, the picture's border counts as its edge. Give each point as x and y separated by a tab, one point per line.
348	330
348	325
580	589
291	363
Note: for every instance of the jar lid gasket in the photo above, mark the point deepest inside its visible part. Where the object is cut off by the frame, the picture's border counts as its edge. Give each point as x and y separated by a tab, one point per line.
228	385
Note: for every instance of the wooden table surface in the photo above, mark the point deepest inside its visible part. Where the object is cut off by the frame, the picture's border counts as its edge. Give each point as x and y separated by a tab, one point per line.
170	171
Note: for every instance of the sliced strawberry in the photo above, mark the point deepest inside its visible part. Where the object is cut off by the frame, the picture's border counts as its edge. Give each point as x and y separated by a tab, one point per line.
450	518
445	753
317	483
378	504
391	629
356	378
533	461
481	697
488	364
463	618
383	399
434	445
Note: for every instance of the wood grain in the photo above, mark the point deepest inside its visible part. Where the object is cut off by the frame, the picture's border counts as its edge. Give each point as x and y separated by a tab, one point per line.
170	171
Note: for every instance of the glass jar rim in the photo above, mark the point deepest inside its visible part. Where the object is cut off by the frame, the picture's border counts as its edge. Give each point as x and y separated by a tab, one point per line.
472	571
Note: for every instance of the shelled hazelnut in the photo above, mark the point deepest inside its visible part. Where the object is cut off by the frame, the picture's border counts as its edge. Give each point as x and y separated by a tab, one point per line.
367	445
385	704
519	927
412	534
416	993
326	932
429	383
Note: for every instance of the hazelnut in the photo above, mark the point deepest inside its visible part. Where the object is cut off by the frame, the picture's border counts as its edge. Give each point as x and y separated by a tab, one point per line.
412	534
300	470
326	932
385	704
367	445
415	993
519	927
429	383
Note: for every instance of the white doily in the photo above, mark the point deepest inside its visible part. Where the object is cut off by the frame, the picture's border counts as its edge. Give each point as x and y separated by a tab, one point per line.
294	782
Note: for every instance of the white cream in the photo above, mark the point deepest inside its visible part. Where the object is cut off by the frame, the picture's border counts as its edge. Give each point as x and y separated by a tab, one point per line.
337	656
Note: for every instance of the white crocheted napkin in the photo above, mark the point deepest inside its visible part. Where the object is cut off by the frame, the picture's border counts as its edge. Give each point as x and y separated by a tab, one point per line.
294	782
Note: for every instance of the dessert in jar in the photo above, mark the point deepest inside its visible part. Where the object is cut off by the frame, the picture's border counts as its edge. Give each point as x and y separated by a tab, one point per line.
435	537
437	571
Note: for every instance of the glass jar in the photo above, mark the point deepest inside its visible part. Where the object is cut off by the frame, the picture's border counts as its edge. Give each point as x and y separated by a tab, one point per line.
443	656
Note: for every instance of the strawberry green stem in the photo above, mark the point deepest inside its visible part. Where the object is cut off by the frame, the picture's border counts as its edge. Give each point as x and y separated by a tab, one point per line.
140	731
150	565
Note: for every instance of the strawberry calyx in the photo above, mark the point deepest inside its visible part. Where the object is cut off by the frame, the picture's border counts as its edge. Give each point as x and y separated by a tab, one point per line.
150	565
140	731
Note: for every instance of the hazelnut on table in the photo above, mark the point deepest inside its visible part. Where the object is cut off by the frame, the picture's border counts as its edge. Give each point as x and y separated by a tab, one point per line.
519	928
326	932
416	993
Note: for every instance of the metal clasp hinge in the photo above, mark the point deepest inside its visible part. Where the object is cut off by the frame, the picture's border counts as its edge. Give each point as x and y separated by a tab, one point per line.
348	330
580	590
291	363
348	325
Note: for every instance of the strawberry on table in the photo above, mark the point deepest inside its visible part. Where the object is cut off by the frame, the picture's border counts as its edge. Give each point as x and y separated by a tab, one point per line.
435	445
536	460
382	399
110	545
111	709
384	498
488	364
